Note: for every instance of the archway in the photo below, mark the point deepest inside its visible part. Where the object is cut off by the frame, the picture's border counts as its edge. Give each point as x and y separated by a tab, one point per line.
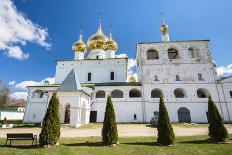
117	94
180	93
184	115
135	93
100	94
156	93
202	93
67	115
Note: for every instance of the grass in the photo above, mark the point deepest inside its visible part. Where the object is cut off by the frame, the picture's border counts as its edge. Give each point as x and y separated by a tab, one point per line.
190	125
140	146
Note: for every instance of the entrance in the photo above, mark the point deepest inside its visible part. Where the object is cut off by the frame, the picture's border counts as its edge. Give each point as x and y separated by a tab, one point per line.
184	115
67	115
93	116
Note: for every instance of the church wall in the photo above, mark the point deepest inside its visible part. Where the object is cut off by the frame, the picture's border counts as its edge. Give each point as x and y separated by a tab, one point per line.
96	67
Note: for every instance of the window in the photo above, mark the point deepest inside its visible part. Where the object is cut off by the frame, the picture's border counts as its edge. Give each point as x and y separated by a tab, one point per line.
156	78
152	54
193	52
173	53
135	93
135	117
202	93
97	57
180	93
117	94
156	93
200	77
100	94
89	76
111	75
231	94
178	78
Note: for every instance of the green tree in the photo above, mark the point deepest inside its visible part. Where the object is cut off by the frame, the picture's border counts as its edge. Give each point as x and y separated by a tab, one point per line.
166	135
50	132
109	131
217	131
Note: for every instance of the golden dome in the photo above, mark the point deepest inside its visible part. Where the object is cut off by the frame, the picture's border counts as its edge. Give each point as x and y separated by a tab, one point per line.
164	28
79	46
111	44
98	40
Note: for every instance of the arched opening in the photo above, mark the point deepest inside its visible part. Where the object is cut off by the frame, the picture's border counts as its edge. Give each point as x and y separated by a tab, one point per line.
100	94
173	53
184	115
193	52
38	94
156	93
67	114
152	54
203	93
135	93
180	93
117	94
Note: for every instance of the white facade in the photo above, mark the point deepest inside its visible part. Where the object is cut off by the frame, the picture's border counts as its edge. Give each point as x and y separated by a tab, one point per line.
182	71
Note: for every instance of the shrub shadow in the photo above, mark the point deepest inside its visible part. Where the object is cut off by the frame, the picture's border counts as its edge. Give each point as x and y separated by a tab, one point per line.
93	144
149	125
142	143
20	146
205	141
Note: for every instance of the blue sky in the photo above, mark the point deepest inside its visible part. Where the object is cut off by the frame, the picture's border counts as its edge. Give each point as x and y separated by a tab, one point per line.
133	21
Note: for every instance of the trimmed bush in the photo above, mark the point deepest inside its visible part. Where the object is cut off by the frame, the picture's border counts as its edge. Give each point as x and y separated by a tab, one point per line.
217	131
50	132
109	131
166	135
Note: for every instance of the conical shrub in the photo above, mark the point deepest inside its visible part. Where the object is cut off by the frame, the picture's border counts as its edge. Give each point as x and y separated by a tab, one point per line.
109	131
217	131
50	132
166	135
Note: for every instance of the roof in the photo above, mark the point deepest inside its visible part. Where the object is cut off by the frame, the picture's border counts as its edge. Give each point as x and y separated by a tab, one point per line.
70	83
172	41
125	58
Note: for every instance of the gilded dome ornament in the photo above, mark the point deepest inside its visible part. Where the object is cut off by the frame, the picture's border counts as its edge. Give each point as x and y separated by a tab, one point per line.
111	44
98	40
79	46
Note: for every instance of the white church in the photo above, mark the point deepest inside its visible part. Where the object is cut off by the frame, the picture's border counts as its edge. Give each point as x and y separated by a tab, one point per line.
182	71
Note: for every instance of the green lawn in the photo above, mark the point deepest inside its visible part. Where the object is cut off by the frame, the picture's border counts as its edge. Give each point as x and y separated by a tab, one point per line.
140	146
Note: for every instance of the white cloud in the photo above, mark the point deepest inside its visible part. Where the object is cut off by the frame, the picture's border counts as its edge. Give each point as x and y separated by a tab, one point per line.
131	65
24	84
224	70
11	83
123	55
19	95
16	30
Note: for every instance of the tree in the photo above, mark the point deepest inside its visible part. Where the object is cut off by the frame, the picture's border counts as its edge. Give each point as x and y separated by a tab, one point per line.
4	95
166	135
217	131
50	132
109	131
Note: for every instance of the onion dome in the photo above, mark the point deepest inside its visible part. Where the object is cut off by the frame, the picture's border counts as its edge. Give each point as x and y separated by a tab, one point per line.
79	46
98	40
164	26
111	44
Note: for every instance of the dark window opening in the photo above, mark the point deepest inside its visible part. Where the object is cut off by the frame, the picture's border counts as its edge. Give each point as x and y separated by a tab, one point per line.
173	53
135	117
152	54
100	94
156	78
117	94
97	57
202	93
178	78
135	93
230	93
179	93
89	76
200	77
156	93
111	75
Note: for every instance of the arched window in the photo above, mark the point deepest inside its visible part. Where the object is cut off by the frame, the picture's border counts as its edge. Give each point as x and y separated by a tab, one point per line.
100	94
38	94
173	53
117	93
152	54
202	93
180	93
193	52
156	93
135	93
184	115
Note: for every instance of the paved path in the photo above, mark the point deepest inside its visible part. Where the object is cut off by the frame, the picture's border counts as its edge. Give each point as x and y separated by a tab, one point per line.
125	130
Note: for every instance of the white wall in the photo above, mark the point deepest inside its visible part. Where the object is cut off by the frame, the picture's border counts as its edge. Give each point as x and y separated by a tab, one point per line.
10	115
